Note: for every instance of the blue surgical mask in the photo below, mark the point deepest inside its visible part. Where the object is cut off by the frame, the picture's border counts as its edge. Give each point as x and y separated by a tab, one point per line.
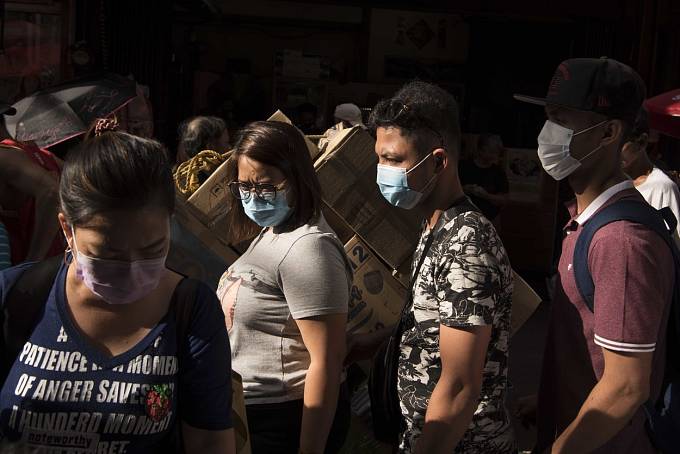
267	213
393	184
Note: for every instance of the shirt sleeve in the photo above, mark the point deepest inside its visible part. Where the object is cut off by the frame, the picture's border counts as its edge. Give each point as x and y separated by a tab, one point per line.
469	275
8	277
205	377
315	277
673	202
632	270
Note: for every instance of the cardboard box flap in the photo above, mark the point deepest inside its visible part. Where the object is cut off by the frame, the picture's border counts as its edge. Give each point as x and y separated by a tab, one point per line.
212	197
281	117
336	142
195	250
211	235
524	302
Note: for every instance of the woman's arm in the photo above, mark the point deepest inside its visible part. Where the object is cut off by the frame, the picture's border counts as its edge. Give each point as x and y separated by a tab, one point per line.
324	337
199	441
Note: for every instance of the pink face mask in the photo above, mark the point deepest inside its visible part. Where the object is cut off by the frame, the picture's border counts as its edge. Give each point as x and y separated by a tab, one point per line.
118	282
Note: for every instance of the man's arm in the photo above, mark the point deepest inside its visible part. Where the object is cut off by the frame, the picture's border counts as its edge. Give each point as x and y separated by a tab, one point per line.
27	177
456	395
623	388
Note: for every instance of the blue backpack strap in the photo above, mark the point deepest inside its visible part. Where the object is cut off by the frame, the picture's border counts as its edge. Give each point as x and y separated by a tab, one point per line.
623	210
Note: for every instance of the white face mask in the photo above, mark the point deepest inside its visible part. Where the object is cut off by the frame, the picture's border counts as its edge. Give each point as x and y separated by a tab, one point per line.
553	149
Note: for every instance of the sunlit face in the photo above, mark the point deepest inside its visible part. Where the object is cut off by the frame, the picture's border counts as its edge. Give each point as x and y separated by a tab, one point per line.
122	235
396	150
255	172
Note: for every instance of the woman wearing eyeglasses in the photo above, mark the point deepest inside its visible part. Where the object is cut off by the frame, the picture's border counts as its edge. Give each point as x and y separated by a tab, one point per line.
286	298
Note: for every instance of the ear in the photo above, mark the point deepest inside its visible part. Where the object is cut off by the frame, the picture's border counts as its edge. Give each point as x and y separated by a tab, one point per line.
66	228
441	159
613	132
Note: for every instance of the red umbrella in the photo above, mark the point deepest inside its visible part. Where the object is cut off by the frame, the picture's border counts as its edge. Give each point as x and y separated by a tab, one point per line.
664	113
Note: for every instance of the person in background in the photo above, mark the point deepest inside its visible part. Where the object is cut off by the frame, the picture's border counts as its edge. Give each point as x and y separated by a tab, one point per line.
286	298
453	364
346	116
600	366
349	114
484	178
29	181
5	256
201	133
111	314
653	183
307	114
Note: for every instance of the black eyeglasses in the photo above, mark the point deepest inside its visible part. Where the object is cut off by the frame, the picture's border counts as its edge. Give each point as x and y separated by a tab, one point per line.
264	191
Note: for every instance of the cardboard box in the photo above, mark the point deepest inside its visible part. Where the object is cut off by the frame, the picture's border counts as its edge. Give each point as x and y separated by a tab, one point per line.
524	302
211	203
376	298
280	116
212	199
347	172
195	250
341	228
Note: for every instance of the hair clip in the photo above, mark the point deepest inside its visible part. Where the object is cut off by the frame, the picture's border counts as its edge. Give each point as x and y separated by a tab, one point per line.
105	124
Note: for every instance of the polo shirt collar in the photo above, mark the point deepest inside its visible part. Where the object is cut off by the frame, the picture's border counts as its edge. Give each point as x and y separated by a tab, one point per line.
602	199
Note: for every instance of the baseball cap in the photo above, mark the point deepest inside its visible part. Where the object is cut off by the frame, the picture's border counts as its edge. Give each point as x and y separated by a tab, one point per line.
349	112
7	109
601	85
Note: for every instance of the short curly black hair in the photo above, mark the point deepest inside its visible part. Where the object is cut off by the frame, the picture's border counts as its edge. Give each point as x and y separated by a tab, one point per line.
423	111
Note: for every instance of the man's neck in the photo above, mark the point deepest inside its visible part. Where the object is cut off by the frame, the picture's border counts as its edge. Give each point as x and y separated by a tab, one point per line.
640	169
445	193
595	188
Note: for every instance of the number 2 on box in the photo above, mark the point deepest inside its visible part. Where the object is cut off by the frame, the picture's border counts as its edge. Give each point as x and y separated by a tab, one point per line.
360	253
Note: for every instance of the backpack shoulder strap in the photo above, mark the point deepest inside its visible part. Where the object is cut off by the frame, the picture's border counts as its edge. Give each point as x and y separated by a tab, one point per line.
624	210
22	308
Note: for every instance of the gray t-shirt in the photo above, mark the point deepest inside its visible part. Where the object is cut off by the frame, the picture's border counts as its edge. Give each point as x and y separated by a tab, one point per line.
281	278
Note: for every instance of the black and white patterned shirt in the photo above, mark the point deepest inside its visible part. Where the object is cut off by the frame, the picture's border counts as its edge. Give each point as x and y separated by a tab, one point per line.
465	280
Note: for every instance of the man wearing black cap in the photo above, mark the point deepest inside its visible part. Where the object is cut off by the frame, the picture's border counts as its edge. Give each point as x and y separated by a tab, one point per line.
600	366
29	197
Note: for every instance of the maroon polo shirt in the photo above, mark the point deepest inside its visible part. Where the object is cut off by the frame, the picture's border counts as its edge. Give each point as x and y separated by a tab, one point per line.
632	269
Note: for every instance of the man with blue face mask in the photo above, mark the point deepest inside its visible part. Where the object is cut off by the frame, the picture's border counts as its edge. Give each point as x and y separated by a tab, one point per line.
604	358
453	353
